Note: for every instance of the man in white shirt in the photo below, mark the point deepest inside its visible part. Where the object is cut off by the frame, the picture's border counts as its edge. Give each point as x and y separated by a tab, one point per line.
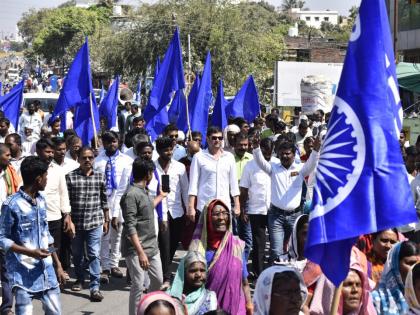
255	186
14	142
56	195
116	167
171	131
4	129
73	144
286	191
173	220
32	120
213	175
60	158
303	132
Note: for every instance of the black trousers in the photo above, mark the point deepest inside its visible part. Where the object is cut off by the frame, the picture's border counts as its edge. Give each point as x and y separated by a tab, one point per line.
176	230
164	240
65	249
258	228
55	227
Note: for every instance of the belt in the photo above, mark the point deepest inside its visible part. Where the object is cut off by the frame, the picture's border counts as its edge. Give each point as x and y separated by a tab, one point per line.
286	212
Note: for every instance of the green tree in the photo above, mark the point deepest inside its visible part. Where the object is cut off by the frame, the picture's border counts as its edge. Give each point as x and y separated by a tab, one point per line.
290	4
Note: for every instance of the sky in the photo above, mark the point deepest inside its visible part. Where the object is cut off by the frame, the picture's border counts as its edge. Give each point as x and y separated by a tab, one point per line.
11	10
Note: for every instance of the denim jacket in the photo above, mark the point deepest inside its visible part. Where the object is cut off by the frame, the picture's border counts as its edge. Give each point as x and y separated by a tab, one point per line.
24	222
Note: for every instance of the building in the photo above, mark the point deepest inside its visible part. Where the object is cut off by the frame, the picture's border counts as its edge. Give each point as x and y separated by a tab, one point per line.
408	29
315	18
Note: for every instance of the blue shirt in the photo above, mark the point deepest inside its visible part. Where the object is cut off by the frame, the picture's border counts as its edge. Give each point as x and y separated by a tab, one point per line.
23	221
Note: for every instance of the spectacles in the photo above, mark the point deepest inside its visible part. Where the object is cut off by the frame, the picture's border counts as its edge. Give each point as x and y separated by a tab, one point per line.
217	214
214	138
173	136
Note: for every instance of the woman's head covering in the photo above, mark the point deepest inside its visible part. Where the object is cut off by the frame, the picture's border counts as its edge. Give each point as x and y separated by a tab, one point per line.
262	294
294	242
410	292
149	298
389	297
177	287
324	291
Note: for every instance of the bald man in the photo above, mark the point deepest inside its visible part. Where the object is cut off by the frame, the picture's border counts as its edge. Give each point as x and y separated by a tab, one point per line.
193	147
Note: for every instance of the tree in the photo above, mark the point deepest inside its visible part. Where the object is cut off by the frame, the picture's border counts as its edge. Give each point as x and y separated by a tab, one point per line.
290	4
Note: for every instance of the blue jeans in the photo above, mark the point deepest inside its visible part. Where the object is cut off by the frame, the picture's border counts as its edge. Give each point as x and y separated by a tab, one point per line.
50	300
92	239
6	290
245	234
280	228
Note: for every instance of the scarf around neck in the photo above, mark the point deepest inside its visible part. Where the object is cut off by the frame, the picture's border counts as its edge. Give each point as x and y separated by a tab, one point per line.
110	173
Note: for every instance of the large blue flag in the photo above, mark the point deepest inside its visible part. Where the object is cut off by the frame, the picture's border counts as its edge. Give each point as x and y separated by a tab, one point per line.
78	92
109	105
219	110
182	122
138	91
246	103
200	112
169	79
158	123
361	181
11	102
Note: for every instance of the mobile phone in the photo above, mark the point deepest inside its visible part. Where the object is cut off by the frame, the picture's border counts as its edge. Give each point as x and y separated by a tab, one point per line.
52	249
165	183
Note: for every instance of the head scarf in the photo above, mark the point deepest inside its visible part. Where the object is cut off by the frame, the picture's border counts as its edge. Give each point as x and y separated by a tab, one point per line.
324	292
149	298
196	299
230	128
410	293
214	238
262	295
225	281
389	297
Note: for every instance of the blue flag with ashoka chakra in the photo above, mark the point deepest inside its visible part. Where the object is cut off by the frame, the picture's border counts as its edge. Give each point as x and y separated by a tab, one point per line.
361	181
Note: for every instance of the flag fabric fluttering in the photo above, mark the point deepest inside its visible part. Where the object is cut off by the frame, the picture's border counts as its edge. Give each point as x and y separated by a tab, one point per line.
200	111
360	168
177	106
169	79
138	91
246	103
78	92
1	89
219	110
157	66
109	105
158	123
11	102
102	94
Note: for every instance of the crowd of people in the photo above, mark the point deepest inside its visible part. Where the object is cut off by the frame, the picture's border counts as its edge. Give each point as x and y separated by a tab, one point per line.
221	197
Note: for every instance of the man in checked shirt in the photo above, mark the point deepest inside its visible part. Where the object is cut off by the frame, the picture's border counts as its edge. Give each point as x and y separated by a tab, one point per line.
90	215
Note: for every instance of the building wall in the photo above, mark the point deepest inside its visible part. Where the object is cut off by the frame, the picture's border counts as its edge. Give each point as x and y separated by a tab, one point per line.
315	18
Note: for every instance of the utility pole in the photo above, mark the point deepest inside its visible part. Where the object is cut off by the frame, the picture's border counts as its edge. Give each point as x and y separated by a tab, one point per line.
395	29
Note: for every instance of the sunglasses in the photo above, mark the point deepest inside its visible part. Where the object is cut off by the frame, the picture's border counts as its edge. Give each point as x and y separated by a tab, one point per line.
214	138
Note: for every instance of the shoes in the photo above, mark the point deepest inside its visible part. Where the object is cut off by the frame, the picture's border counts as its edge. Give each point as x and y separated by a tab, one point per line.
165	286
8	312
77	286
116	272
96	296
104	279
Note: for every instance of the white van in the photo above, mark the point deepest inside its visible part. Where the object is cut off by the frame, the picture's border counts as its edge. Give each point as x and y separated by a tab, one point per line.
46	99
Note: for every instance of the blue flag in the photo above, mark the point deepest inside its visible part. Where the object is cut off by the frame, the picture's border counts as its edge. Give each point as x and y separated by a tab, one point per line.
246	103
200	112
1	89
219	110
182	122
11	102
177	105
78	92
54	83
109	105
361	181
102	94
155	126
169	79
138	92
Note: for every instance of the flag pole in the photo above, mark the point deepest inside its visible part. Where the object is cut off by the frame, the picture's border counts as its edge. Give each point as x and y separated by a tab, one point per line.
93	122
336	299
189	134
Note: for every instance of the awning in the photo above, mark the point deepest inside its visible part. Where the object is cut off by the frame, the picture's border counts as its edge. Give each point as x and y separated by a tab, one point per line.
408	75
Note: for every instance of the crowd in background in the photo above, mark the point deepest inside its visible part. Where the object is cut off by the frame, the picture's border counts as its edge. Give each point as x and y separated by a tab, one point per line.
222	196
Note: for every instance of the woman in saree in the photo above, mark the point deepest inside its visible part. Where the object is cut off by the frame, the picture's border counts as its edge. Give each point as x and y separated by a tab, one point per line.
389	296
189	285
224	253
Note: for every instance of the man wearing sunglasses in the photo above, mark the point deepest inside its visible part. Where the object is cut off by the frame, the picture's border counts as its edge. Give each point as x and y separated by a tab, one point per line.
212	176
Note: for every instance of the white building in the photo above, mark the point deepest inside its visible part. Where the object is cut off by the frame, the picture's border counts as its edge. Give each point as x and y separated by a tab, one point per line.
315	18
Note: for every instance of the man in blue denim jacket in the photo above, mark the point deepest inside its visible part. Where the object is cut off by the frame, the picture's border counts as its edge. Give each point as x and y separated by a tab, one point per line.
25	238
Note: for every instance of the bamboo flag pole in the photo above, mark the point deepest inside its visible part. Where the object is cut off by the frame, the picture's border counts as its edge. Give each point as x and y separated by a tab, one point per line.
336	300
189	134
93	122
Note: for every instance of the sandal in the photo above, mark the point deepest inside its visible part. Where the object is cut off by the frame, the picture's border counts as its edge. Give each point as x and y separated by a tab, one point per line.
77	286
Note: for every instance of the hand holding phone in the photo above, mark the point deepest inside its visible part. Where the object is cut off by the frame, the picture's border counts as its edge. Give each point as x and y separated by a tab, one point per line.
165	183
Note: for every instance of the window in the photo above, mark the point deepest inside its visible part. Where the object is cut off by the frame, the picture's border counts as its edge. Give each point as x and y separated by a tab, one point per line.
308	18
317	18
326	19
